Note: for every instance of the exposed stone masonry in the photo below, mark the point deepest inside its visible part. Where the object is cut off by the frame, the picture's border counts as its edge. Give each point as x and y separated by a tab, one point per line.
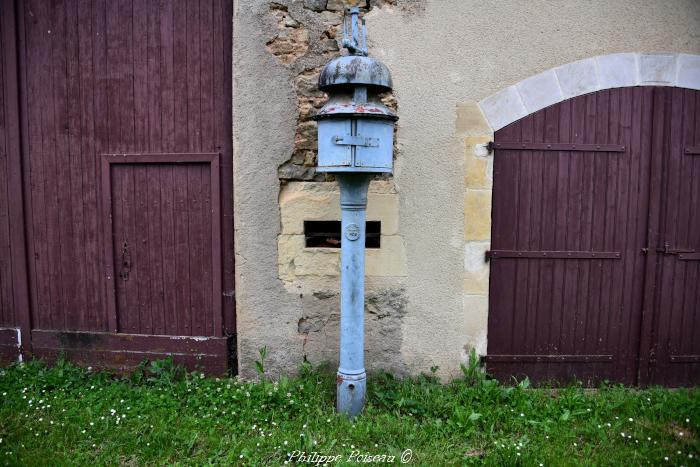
308	35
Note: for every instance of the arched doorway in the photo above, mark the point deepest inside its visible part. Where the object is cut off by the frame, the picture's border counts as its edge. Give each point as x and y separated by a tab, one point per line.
595	248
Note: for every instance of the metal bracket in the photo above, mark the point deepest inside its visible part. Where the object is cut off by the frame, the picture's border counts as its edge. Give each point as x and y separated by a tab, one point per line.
559	147
354	34
494	254
349	140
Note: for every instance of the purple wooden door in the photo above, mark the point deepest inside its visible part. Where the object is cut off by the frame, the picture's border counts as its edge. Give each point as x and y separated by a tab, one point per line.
673	326
150	82
575	291
166	251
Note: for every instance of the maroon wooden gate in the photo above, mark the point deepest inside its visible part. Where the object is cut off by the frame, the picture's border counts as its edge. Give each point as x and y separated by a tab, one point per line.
596	240
124	175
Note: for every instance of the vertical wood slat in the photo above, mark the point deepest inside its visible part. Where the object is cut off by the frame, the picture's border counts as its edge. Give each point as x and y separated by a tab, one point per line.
7	306
13	156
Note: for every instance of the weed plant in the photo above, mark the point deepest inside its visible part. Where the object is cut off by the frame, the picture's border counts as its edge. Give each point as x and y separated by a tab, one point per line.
161	414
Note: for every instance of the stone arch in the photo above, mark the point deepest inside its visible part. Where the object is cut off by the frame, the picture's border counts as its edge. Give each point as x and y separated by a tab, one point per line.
589	75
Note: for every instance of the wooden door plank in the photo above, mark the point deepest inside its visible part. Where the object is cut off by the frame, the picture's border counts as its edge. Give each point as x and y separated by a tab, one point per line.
15	197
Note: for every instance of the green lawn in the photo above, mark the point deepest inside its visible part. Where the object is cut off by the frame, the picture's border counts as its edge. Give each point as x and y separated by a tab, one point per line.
68	415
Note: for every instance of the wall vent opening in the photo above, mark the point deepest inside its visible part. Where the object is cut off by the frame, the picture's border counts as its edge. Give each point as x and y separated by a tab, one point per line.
326	234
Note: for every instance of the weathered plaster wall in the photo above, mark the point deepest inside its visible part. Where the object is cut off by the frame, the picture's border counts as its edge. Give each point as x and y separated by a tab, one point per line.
445	56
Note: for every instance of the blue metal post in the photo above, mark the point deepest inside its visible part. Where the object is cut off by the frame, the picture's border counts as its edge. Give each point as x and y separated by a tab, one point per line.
352	379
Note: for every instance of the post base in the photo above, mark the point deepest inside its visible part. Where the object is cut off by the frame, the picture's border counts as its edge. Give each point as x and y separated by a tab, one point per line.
350	394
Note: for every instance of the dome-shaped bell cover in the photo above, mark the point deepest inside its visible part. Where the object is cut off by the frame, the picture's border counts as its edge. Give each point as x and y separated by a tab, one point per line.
355	69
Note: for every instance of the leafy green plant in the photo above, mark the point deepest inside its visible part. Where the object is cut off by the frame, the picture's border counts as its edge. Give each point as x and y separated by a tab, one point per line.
260	364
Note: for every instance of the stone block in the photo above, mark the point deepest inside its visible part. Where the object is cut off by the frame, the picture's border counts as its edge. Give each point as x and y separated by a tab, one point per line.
477	172
657	69
577	78
300	201
477	167
502	108
471	120
476	269
688	71
295	260
617	70
315	5
476	314
340	5
477	214
540	91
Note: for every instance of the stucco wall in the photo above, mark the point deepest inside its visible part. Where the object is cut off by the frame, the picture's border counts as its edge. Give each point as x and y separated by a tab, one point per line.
445	56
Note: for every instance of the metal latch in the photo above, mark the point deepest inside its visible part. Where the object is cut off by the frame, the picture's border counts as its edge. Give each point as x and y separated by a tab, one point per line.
349	140
667	250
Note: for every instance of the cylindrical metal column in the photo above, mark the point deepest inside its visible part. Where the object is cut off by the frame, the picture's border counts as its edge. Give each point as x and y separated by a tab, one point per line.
352	379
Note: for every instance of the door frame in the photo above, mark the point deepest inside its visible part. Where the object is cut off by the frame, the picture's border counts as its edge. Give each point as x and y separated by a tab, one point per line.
213	159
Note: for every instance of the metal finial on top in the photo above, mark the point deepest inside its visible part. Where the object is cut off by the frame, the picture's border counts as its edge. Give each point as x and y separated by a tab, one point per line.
354	35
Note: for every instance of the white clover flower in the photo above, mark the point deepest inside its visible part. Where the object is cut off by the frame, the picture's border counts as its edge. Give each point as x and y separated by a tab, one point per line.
631	419
285	442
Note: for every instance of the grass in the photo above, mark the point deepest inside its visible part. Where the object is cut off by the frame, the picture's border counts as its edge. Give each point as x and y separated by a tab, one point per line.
162	415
